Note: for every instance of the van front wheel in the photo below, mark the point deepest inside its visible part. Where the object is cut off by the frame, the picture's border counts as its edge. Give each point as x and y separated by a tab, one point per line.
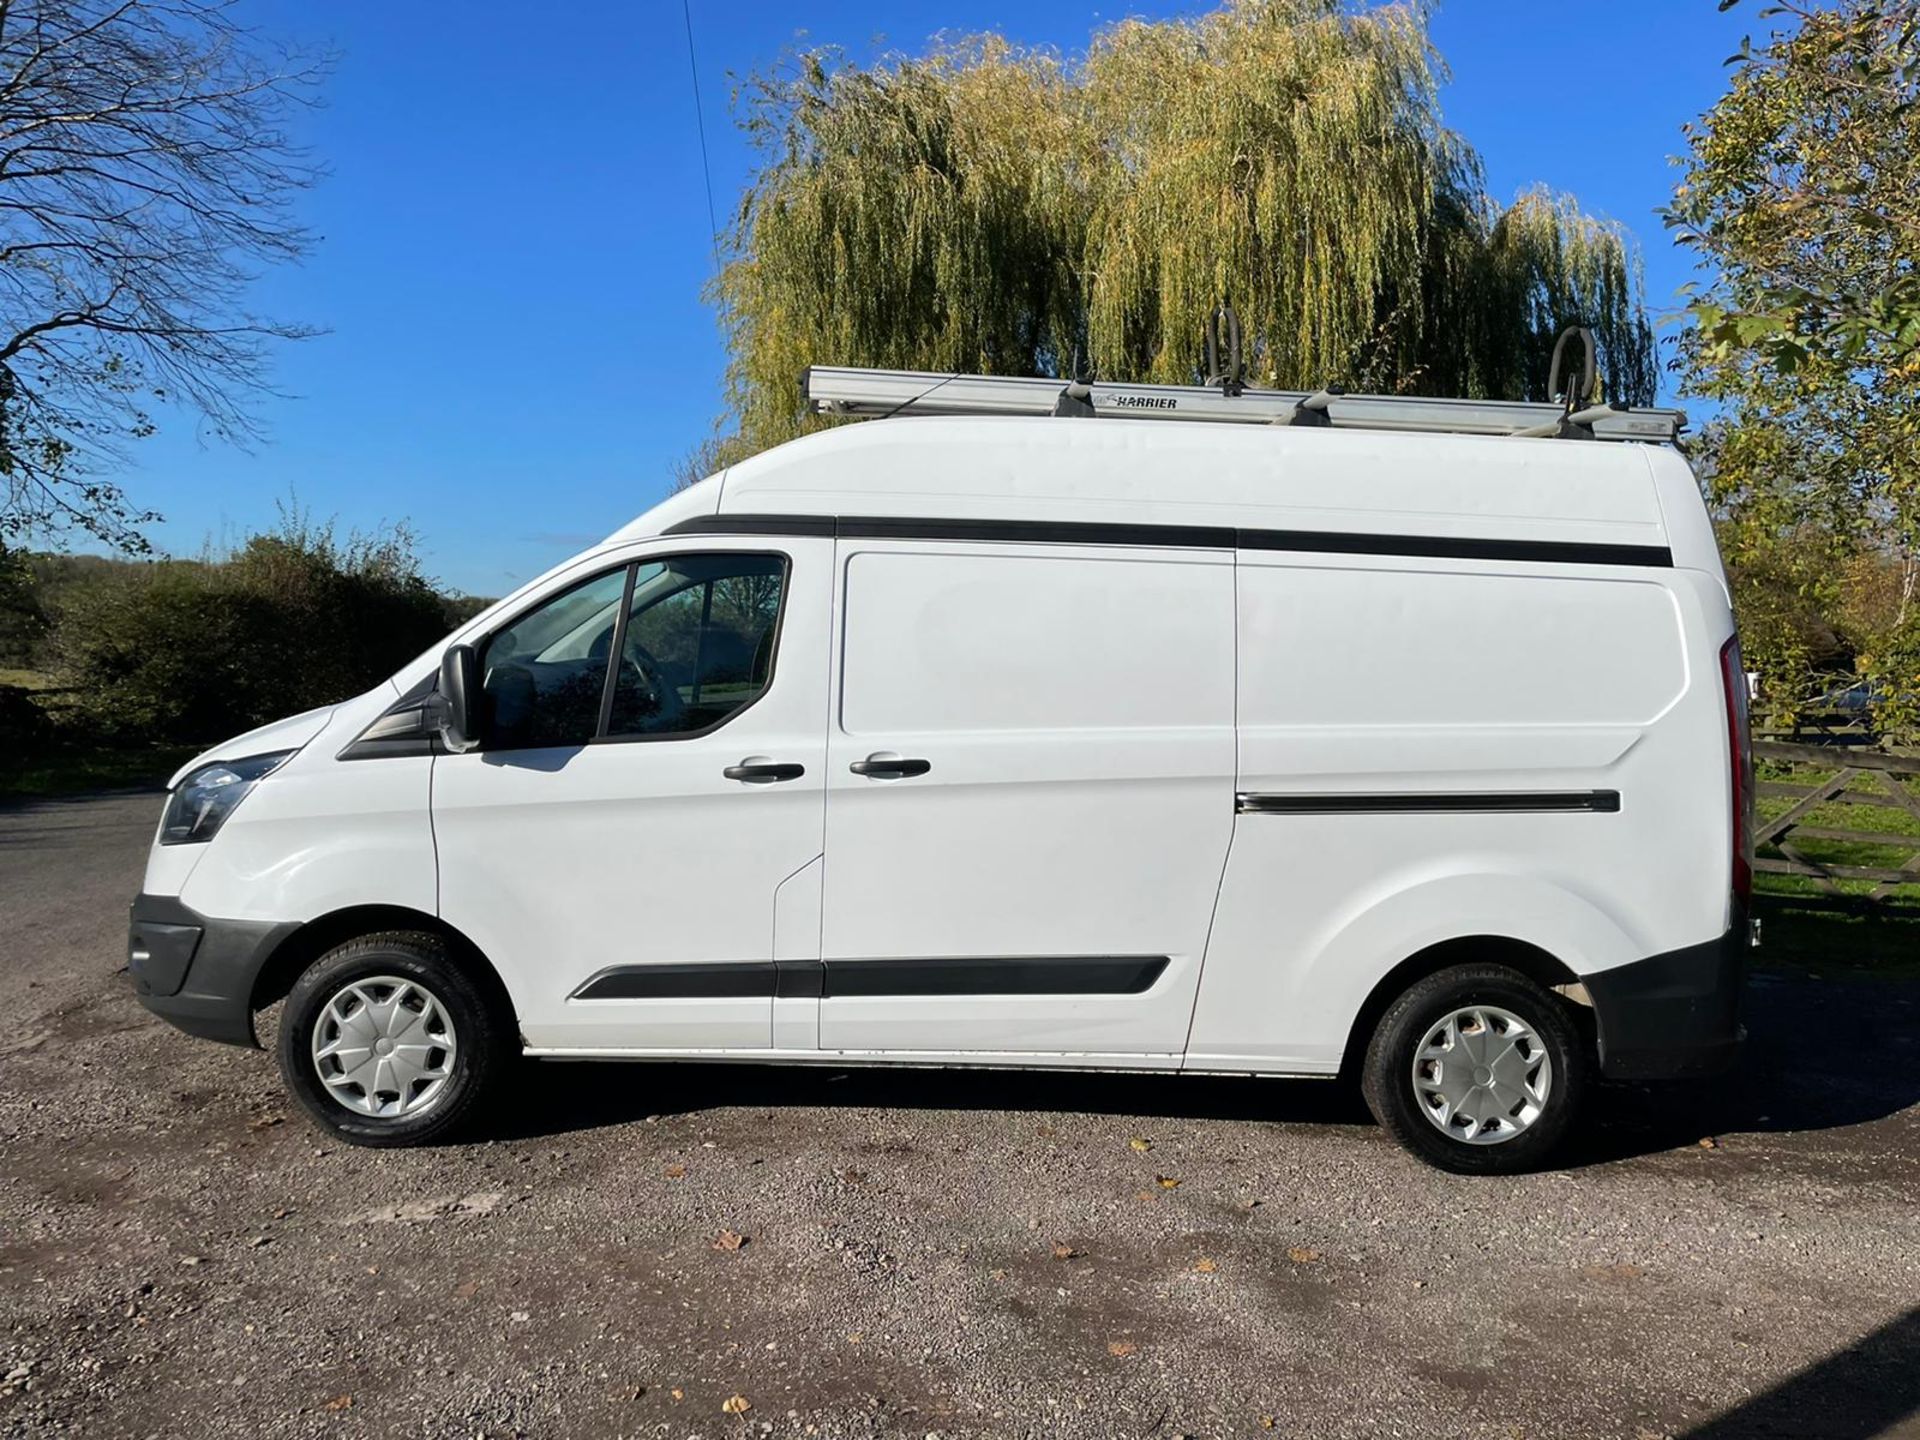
386	1041
1477	1070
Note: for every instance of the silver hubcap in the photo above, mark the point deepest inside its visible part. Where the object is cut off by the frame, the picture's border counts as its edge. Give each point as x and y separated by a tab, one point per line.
1482	1075
384	1047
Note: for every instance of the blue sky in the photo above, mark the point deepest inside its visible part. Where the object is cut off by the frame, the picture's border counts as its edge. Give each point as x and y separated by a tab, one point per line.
514	239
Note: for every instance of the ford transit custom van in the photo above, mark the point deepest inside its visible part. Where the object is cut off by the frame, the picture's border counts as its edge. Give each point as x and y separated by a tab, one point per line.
1364	744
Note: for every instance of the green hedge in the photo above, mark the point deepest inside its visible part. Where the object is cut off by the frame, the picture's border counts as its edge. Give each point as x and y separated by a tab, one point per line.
196	650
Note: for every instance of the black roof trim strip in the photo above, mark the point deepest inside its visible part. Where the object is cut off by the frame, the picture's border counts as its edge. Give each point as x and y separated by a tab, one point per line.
822	525
1456	547
1203	537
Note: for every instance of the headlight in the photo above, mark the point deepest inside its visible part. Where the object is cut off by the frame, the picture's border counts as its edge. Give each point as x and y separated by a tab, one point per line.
201	803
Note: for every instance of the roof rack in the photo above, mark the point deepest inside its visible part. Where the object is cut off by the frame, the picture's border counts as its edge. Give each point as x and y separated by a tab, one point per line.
843	390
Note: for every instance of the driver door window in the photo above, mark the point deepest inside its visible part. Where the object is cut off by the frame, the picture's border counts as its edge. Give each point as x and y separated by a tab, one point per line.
664	648
698	643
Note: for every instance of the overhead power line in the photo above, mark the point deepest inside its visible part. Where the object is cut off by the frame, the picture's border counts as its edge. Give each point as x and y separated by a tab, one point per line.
700	124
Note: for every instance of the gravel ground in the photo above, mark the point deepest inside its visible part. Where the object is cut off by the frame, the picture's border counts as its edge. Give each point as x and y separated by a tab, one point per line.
924	1253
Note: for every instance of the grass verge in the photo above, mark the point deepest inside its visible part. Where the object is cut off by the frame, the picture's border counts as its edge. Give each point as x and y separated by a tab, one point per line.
1819	936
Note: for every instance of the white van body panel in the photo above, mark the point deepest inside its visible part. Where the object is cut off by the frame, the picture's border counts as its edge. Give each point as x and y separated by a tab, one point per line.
325	834
1516	679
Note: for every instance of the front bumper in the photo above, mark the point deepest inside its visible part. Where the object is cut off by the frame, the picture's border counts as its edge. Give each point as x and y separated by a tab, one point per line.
195	971
1674	1015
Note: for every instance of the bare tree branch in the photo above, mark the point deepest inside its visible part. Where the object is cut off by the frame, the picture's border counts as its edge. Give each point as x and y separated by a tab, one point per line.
147	174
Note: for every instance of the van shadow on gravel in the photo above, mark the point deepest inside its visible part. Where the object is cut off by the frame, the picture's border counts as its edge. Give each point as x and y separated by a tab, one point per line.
1821	1054
565	1096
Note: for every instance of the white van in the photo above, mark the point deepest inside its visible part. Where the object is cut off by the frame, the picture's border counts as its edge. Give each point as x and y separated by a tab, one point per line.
1268	750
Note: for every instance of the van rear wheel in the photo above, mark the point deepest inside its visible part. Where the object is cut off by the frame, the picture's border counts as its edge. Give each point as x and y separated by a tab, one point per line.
386	1041
1477	1070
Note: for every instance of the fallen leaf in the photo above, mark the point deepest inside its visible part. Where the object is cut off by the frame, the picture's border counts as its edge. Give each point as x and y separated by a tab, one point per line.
340	1402
736	1405
1205	1266
1166	1182
1622	1271
676	1172
1267	1422
853	1177
467	1290
677	1393
1122	1348
267	1122
1148	1196
1301	1255
1064	1251
1709	1143
729	1240
1253	1204
1143	1146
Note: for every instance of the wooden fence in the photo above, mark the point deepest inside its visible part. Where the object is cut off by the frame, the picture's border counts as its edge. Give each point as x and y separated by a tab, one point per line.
1855	775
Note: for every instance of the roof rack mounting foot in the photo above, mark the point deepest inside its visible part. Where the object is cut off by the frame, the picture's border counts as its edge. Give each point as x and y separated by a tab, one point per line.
1076	399
1316	408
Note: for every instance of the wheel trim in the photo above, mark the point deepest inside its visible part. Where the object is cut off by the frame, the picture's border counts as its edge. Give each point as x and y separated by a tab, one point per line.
384	1047
1482	1075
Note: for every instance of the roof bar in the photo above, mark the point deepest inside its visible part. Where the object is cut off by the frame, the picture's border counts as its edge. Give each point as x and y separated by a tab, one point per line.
844	390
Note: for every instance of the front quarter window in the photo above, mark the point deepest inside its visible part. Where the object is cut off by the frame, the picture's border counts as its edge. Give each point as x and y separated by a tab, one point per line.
542	677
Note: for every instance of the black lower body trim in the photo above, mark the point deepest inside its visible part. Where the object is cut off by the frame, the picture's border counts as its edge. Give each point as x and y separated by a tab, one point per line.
716	980
803	979
1057	975
1435	802
197	971
1673	1015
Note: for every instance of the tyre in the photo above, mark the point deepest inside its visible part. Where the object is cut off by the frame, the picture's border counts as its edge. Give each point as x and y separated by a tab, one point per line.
1477	1070
386	1041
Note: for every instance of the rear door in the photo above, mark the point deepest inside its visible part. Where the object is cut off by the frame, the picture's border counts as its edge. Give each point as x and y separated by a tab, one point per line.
1030	778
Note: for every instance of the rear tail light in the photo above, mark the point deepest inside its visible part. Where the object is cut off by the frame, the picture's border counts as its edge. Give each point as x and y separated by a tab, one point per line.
1733	680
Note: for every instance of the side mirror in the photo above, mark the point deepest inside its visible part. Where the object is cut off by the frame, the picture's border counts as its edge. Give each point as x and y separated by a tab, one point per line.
459	698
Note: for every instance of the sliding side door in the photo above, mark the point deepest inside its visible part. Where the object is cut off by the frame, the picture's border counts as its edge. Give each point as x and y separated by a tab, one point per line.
1030	779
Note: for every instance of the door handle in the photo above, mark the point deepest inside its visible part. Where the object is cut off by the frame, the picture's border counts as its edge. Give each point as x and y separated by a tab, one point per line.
758	770
887	766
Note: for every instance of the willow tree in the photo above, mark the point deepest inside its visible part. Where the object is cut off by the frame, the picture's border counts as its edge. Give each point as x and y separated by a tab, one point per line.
987	207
